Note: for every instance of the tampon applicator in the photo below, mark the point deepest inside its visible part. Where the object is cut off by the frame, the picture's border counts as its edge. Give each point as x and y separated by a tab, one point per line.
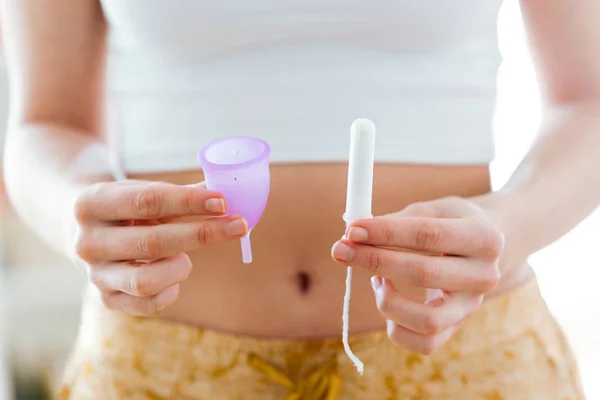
238	168
358	202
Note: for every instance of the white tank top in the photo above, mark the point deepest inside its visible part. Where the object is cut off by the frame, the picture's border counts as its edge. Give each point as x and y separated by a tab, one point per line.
297	73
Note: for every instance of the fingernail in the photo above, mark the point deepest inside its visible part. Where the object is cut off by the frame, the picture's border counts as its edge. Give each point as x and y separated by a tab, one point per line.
376	282
236	227
215	205
343	252
357	234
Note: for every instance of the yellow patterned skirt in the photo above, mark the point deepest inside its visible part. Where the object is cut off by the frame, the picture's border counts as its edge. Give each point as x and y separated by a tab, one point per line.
511	349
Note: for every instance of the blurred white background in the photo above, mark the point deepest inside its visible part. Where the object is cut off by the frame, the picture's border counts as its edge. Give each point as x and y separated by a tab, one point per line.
39	304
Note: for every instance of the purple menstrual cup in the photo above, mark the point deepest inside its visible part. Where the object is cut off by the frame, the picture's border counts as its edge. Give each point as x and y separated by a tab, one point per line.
238	168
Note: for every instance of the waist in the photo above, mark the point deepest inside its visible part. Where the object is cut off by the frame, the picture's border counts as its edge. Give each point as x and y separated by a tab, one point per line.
307	201
509	341
293	288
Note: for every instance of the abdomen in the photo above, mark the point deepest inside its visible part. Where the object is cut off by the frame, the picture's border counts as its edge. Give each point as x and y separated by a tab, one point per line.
293	288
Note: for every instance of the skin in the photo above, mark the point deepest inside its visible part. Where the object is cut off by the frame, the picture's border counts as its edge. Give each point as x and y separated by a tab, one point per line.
449	244
148	244
146	287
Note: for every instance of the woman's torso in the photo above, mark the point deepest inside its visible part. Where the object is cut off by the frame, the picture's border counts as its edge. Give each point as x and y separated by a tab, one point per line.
293	288
296	74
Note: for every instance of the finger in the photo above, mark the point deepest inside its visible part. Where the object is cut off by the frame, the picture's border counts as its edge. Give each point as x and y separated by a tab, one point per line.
464	237
415	342
110	243
201	185
142	279
424	319
117	202
141	306
449	273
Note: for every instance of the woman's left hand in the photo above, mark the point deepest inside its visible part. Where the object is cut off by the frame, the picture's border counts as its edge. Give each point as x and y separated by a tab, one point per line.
449	244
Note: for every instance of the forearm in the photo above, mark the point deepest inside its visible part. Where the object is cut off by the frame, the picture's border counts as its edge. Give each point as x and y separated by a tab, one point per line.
555	187
46	168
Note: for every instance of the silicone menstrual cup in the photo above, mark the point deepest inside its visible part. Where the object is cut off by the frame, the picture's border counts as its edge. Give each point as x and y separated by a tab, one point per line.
238	168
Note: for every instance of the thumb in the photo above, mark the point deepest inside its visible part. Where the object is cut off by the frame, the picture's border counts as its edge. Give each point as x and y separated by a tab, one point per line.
201	185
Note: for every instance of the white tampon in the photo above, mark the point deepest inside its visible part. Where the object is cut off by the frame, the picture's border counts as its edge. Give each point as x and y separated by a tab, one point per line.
358	202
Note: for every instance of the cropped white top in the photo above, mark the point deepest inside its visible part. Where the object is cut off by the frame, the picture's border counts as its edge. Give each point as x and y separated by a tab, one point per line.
297	73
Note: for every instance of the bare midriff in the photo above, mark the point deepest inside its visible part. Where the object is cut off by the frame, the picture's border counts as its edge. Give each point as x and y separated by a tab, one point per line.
293	289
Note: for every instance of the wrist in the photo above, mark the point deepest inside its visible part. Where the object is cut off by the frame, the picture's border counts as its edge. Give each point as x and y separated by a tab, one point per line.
504	211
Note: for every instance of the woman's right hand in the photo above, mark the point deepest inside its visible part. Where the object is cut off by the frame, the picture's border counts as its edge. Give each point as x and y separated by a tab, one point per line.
134	244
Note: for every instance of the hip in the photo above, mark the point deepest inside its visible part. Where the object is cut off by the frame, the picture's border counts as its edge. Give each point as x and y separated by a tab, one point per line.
511	348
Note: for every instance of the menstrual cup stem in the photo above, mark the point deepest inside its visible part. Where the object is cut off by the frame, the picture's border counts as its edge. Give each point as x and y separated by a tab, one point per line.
246	248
